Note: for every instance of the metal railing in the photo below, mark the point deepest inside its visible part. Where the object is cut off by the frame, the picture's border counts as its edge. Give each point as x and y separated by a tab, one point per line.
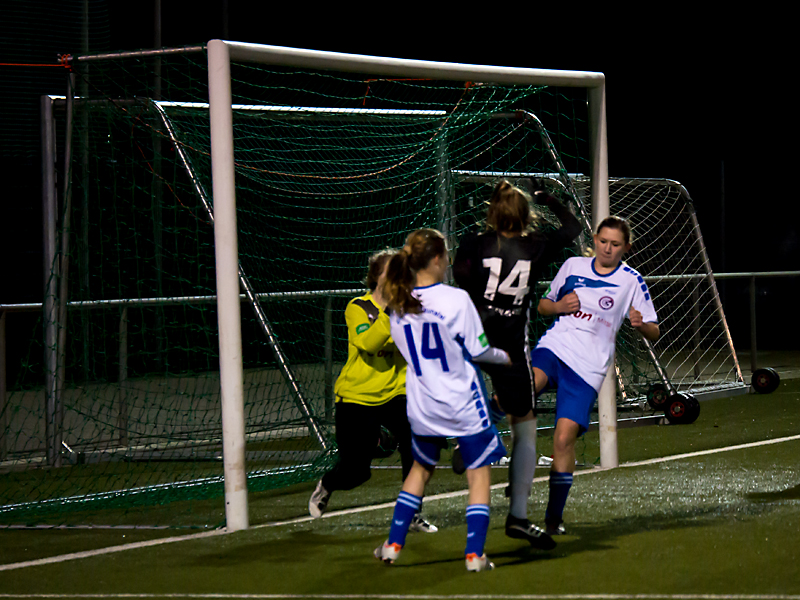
124	304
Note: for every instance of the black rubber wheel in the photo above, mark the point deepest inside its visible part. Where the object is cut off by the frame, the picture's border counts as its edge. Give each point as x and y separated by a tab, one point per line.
680	409
693	409
765	381
657	396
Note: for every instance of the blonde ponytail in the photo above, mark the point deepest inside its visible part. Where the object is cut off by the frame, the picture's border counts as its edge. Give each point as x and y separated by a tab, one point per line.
422	246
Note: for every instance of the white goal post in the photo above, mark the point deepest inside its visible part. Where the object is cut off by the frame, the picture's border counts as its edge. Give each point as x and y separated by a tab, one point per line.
220	54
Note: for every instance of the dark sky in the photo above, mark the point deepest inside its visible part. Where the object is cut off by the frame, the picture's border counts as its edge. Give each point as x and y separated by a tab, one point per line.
698	99
689	98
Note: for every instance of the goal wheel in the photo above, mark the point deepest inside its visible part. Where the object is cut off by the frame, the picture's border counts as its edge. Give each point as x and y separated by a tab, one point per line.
693	411
682	409
765	381
657	396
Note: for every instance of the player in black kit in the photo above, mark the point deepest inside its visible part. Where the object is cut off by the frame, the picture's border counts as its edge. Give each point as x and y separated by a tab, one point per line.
499	268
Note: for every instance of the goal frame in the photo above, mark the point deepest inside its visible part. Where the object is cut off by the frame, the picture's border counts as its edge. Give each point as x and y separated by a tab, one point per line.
220	54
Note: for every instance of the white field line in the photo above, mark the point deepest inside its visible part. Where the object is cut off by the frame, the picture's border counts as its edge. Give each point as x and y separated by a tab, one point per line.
109	550
350	511
211	596
653	461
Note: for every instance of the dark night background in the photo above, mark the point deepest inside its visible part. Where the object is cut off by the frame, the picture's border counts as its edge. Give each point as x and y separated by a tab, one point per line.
699	99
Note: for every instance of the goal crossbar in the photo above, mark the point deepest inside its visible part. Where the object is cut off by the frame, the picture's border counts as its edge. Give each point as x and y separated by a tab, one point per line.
398	67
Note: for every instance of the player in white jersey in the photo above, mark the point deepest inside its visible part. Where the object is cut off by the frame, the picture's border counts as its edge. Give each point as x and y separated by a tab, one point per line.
590	298
438	331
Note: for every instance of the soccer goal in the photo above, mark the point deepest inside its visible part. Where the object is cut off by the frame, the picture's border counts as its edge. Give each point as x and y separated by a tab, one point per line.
220	56
221	206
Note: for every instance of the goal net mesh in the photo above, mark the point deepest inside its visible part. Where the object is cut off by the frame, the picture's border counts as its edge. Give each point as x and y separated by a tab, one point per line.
330	167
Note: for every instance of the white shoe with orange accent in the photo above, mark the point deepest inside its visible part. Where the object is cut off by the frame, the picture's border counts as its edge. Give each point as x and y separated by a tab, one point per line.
387	552
478	563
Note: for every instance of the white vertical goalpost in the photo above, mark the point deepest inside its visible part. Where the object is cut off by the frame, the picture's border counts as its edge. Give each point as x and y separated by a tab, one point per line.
220	54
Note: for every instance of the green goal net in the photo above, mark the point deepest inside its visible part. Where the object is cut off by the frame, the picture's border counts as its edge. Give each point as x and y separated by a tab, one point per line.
329	168
120	424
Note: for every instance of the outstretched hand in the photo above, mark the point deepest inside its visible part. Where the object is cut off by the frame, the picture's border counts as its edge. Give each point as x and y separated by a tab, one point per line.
534	184
538	190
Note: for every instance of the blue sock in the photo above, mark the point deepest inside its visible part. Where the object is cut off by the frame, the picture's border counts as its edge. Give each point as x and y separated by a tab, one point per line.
404	510
559	490
477	526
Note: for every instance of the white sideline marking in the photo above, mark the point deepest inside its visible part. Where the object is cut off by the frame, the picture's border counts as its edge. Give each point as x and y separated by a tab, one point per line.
109	550
653	461
350	511
428	596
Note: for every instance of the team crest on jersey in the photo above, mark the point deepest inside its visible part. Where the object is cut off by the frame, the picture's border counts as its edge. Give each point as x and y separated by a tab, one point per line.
606	302
362	327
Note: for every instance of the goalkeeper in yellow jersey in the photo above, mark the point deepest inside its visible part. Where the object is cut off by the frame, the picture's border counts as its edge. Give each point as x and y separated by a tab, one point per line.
370	395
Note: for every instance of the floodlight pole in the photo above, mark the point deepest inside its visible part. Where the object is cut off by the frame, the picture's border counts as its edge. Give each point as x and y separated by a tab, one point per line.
228	308
607	397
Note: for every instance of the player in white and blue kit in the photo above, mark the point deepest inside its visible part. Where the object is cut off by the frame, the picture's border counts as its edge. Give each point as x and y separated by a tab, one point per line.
437	329
591	297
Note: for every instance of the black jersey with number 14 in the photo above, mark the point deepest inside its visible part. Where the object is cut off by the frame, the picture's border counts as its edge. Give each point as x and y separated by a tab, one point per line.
500	274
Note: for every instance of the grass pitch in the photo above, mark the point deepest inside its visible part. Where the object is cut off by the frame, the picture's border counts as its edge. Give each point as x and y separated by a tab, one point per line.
713	523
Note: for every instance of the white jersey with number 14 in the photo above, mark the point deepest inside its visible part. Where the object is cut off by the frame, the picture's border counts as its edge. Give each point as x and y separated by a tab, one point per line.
446	396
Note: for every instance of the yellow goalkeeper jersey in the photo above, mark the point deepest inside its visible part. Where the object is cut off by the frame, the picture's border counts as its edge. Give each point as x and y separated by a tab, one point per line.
375	372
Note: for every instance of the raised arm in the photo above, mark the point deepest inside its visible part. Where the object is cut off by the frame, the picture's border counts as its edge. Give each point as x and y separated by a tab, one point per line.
570	226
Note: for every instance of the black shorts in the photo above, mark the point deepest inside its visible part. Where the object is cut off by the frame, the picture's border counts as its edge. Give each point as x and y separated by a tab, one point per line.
513	386
357	430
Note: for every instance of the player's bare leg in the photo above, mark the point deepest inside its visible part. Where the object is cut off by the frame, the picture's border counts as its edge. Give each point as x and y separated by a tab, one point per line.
539	379
480	483
564	440
418	477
